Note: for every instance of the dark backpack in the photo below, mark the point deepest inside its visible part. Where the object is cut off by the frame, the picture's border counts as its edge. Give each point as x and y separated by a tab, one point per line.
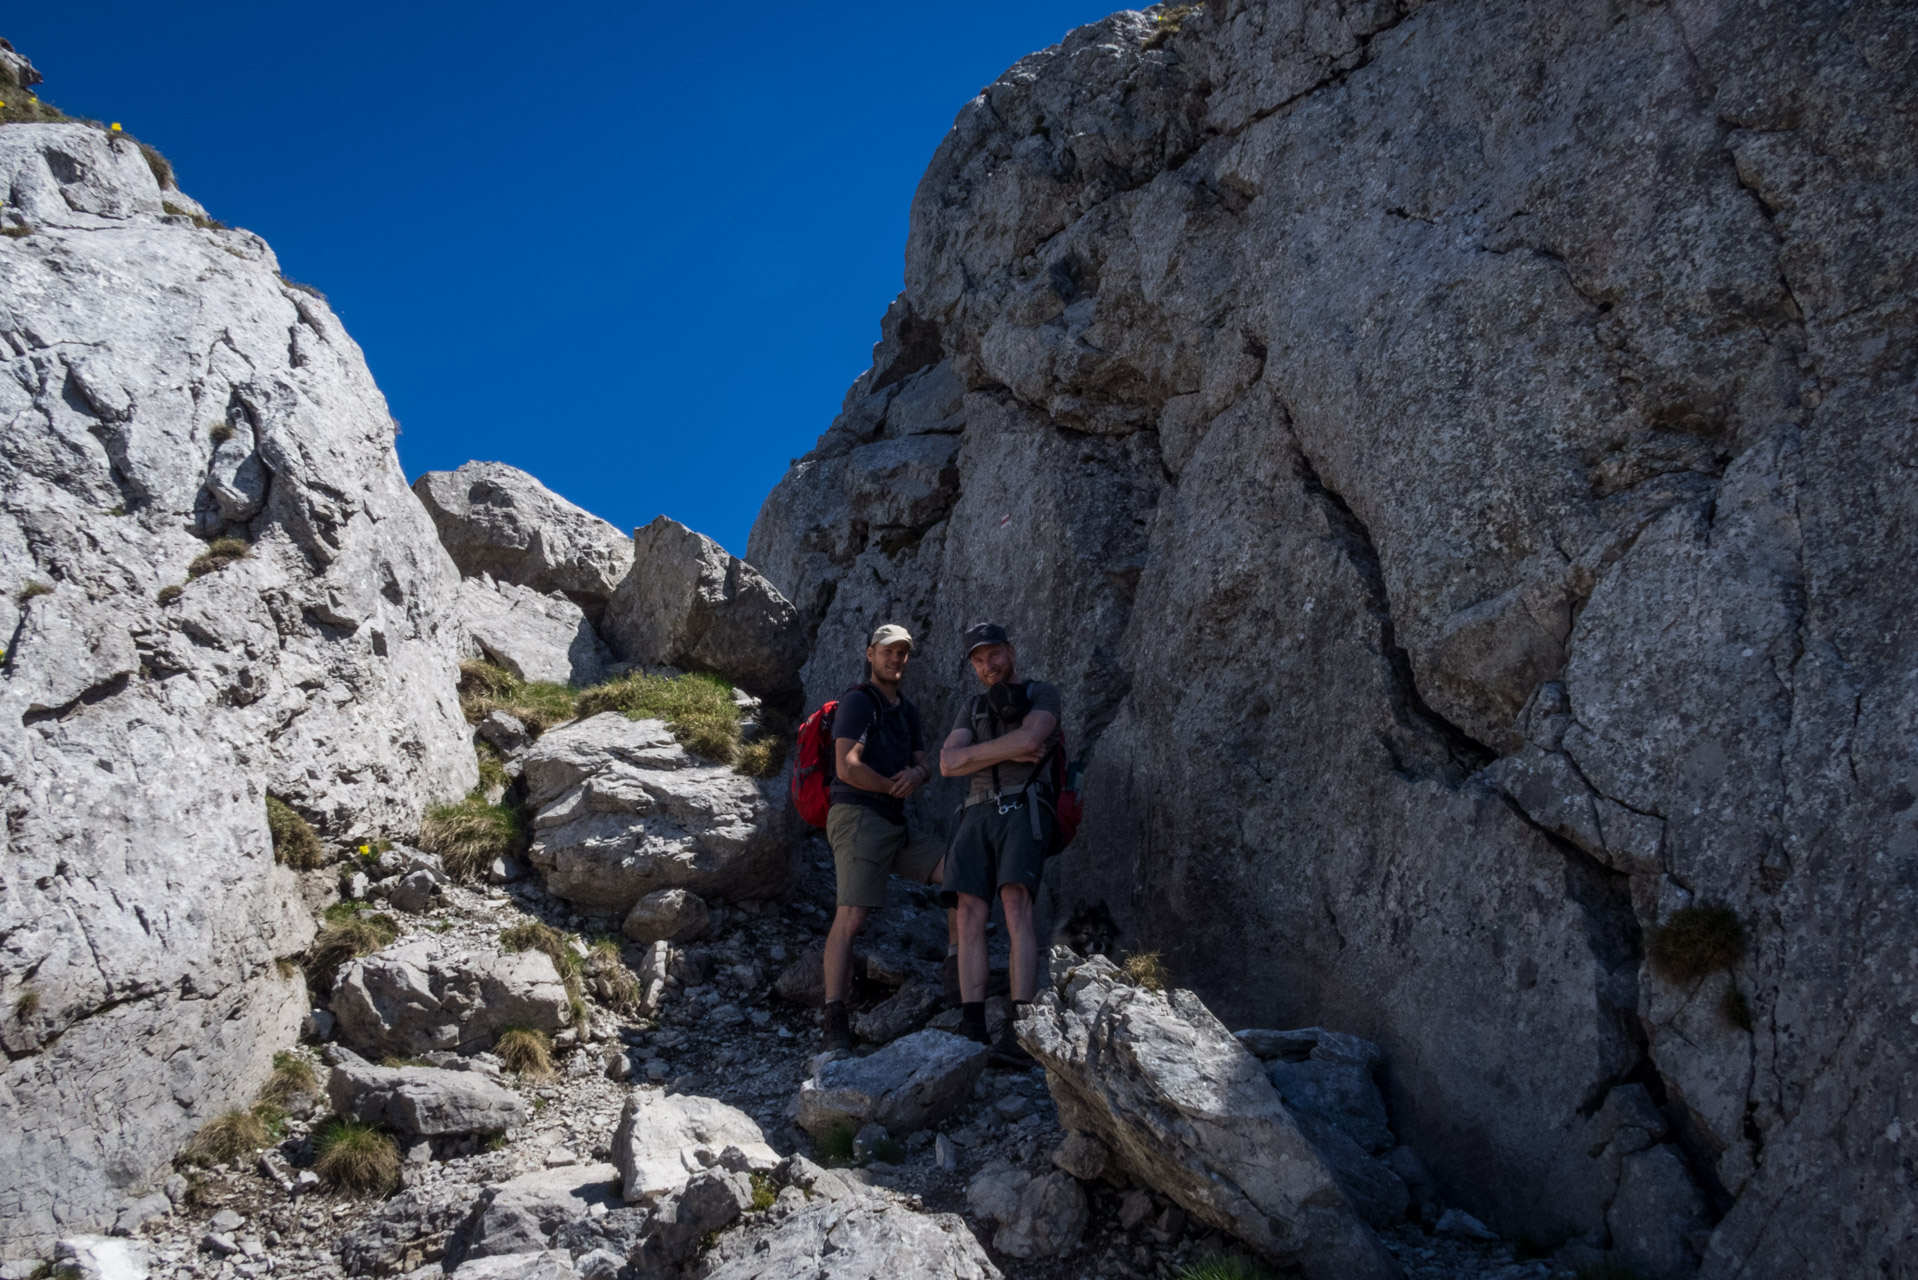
1053	783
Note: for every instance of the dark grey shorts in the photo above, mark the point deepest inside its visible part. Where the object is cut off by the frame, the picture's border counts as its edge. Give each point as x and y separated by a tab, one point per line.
992	849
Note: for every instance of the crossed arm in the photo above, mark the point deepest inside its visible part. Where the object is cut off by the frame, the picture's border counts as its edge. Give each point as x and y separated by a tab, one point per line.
851	768
1024	745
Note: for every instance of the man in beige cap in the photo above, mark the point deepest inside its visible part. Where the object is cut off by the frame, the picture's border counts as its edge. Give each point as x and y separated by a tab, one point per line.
879	759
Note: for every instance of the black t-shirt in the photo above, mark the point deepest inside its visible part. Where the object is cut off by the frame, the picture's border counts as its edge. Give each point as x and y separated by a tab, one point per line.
892	736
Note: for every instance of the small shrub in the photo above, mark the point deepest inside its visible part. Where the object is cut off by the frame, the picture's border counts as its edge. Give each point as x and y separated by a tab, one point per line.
1736	1009
538	704
356	1157
1696	941
303	288
294	842
1147	969
1220	1266
470	834
219	553
833	1148
292	1075
765	1191
26	1004
168	595
698	708
526	1052
32	590
162	168
1167	23
229	1136
19	231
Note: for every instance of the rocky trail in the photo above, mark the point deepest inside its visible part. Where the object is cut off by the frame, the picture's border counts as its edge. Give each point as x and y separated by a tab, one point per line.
722	1031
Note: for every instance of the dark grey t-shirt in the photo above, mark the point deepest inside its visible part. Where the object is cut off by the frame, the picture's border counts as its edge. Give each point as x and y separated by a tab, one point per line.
1012	774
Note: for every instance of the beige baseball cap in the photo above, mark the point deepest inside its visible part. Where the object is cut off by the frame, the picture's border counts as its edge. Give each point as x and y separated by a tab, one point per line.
891	633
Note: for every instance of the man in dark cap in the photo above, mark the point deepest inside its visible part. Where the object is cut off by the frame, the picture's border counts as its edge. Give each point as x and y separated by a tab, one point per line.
1003	740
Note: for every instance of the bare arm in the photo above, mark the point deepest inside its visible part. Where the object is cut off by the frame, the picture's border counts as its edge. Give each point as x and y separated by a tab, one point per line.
1026	744
849	759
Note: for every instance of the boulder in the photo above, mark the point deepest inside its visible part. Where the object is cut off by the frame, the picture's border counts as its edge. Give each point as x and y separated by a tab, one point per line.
664	1140
497	520
1083	1156
424	1101
547	1264
839	1227
1341	1094
711	1200
522	1215
622	810
1657	1209
532	634
1185	1109
101	1258
408	999
901	1013
417	1221
689	604
503	731
175	389
667	915
912	1083
1039	1216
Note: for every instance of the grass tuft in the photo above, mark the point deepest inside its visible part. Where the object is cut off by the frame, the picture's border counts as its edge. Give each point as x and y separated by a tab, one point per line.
349	931
219	553
538	704
616	986
161	166
470	834
31	590
200	220
765	1191
168	595
833	1148
698	708
356	1157
1696	941
526	1051
1146	968
230	1136
307	289
26	1004
492	768
19	231
1219	1266
294	842
292	1075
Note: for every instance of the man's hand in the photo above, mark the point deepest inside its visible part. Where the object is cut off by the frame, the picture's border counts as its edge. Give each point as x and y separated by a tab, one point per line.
906	781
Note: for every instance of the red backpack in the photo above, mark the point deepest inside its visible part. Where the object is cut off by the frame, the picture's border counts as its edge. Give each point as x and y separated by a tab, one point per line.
813	772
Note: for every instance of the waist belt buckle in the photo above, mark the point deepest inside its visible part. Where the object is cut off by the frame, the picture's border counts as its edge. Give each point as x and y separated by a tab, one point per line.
1005	808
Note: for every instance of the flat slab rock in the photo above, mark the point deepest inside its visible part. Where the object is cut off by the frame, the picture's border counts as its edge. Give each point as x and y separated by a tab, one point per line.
521	1214
426	1101
665	1140
622	811
1188	1111
912	1083
409	1000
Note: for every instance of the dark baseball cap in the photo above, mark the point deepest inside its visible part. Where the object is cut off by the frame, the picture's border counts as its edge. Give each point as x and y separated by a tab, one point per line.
983	633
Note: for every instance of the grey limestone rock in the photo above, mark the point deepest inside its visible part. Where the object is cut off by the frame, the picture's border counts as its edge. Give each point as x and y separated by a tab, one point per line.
667	915
162	385
101	1258
689	604
664	1140
1449	457
622	810
497	520
544	1264
843	1228
532	634
424	1101
1039	1216
521	1215
410	999
1184	1108
912	1083
901	1013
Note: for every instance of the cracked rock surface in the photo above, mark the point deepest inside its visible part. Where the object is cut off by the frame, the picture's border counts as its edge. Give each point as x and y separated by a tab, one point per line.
1451	458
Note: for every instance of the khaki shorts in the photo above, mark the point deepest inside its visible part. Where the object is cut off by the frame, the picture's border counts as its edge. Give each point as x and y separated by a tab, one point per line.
866	848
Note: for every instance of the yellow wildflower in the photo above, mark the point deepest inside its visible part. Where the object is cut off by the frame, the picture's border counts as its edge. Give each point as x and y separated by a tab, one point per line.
116	126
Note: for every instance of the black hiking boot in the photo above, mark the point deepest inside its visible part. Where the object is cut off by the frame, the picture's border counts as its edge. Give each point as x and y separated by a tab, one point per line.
972	1023
835	1028
1008	1054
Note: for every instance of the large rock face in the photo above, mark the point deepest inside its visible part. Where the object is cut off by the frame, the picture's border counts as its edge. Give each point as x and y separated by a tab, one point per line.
163	385
1453	458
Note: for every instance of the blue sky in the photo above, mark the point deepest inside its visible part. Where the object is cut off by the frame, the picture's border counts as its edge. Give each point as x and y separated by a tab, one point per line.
638	251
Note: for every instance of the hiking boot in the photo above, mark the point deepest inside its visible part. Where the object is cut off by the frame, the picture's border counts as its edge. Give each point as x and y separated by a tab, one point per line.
972	1024
835	1029
1007	1053
949	980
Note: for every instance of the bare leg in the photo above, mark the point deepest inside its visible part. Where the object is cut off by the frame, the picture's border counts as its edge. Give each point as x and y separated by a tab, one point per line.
972	913
846	925
1017	901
